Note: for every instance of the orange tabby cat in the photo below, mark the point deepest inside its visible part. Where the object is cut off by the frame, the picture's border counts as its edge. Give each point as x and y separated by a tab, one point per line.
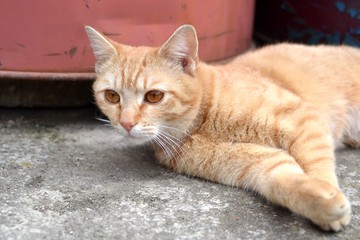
267	121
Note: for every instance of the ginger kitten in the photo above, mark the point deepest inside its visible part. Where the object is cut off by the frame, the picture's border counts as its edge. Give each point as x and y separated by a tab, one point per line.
267	121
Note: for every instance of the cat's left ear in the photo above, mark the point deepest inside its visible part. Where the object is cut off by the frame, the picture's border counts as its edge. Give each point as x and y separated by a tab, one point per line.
182	48
103	48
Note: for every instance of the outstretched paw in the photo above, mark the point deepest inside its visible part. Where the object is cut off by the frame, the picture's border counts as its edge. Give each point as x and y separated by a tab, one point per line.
334	210
336	225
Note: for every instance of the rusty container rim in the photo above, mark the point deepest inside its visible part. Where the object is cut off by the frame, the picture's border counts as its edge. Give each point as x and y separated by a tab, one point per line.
54	76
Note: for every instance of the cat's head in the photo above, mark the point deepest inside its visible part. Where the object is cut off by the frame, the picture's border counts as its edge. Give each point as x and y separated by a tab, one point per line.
148	93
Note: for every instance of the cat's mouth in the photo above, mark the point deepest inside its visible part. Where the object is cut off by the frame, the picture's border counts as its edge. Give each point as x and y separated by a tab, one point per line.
132	136
135	136
139	134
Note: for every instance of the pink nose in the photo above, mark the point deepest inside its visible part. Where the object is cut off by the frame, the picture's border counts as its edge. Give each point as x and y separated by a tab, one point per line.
127	125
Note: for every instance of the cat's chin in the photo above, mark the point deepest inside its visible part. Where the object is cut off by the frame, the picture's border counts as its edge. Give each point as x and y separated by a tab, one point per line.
134	141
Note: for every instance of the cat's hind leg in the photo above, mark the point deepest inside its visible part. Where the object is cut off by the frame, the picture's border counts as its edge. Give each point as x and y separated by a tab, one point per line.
307	137
273	173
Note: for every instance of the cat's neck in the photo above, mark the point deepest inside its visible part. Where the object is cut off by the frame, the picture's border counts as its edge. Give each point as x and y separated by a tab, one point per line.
205	79
206	75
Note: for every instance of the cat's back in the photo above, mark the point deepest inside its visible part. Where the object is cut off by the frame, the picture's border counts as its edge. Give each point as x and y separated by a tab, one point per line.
314	59
315	73
298	67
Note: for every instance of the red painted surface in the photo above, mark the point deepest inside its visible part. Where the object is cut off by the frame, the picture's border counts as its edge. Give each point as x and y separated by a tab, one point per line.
48	35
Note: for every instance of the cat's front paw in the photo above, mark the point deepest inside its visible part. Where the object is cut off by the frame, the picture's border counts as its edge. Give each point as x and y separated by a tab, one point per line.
336	225
335	210
324	204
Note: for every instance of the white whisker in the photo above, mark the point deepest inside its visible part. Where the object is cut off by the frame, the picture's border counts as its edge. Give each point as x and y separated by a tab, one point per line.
185	149
103	120
177	145
168	152
169	141
107	122
179	130
102	125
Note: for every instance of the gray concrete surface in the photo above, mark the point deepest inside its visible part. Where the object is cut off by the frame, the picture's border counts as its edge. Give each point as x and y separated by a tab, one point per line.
63	176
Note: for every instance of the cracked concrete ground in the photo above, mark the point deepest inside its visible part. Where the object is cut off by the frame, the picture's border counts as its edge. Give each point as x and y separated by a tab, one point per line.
63	176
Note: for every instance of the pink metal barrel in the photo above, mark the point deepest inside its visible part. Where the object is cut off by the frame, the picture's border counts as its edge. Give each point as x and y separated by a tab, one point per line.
45	38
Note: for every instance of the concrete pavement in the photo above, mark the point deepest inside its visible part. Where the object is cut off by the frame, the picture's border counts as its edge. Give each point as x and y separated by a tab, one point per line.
63	176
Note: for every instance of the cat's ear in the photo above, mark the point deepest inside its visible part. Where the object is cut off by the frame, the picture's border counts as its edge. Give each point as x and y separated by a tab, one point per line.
182	48
102	47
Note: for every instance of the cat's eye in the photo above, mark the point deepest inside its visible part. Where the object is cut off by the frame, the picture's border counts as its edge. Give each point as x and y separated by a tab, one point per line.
112	96
154	96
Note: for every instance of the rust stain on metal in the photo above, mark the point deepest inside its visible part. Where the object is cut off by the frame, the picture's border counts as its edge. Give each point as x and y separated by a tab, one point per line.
87	4
111	34
21	45
48	76
72	52
52	54
216	35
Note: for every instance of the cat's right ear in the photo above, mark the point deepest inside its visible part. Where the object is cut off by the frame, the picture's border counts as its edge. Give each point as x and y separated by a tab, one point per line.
103	49
182	48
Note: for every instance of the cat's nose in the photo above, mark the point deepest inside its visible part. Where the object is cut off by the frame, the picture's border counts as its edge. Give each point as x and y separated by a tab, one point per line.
127	125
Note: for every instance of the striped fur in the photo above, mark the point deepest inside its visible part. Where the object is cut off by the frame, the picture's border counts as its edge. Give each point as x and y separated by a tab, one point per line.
268	121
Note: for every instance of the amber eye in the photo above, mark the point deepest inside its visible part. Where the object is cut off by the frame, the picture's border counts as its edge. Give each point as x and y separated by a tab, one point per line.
154	96
112	96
